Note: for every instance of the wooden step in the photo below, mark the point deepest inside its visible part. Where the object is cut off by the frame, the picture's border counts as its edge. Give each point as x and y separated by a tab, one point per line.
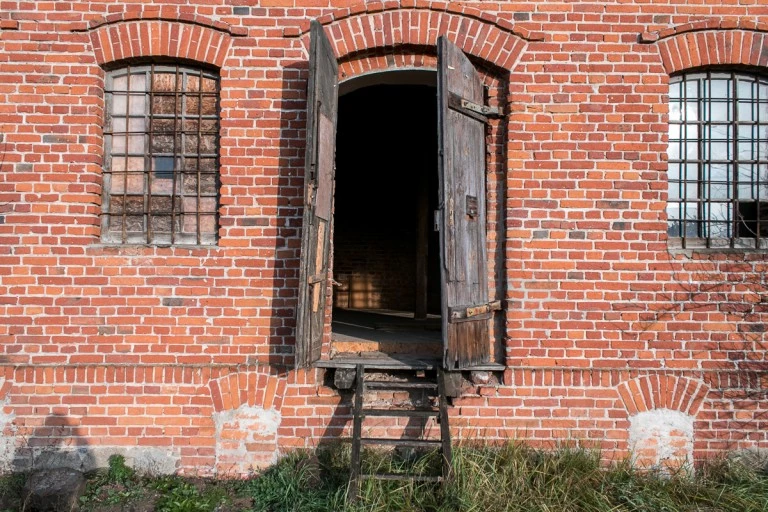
400	385
401	413
402	477
378	361
405	443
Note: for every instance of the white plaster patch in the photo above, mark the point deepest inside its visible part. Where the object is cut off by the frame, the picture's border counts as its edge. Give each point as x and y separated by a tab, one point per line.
153	461
246	439
661	438
7	436
257	419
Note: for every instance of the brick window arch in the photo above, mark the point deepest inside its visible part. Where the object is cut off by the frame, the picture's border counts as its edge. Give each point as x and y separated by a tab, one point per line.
718	159
161	170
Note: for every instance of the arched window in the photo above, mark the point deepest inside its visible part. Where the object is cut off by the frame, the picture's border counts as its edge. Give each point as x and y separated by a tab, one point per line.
161	144
718	159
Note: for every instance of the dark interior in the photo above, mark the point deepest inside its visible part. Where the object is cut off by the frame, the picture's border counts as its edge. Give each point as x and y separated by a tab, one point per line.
386	158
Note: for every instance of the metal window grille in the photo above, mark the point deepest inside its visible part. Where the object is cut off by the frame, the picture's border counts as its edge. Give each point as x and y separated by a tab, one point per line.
718	160
161	179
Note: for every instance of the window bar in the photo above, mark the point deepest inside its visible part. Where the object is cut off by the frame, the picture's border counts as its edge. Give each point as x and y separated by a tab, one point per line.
681	186
754	144
217	175
149	167
124	216
705	87
199	151
738	218
178	129
683	156
701	224
700	206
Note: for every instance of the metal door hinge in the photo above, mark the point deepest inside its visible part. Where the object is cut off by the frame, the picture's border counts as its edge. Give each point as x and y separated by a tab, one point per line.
478	312
472	109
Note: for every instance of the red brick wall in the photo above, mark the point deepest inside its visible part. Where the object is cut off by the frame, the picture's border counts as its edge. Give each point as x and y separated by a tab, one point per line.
118	346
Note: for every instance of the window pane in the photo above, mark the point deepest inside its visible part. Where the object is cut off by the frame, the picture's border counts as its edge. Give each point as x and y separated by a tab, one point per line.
137	104
747	111
717	111
163	167
164	82
691	111
675	111
119	104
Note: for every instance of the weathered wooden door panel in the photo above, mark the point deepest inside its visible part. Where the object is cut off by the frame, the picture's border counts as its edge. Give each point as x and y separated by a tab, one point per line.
461	135
322	109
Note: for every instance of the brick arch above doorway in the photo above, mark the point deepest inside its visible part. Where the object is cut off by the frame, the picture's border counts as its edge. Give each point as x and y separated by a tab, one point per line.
377	36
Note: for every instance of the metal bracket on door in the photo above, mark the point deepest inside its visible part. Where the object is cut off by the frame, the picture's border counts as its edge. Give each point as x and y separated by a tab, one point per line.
472	109
478	312
317	278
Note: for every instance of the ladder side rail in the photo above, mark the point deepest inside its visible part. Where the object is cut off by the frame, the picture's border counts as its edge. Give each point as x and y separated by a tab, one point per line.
357	430
445	429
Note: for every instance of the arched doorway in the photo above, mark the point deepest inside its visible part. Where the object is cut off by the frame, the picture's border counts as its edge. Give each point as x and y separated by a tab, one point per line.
386	263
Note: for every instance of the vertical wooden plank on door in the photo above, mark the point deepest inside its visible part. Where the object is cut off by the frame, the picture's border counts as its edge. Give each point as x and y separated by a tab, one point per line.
462	204
322	110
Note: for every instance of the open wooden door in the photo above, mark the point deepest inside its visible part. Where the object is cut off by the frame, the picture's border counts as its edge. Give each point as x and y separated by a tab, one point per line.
466	311
322	110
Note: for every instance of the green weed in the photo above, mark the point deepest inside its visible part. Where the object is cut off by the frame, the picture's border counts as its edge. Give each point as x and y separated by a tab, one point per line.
179	495
116	485
301	483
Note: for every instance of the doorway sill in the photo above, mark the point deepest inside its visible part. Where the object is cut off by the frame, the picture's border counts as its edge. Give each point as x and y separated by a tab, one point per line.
398	362
380	362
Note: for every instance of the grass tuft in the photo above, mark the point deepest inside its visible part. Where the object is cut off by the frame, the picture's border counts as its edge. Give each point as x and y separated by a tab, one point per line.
301	482
509	478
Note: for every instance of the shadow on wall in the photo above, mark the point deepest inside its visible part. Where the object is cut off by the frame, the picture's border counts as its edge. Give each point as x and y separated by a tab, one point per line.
54	443
57	442
339	427
282	203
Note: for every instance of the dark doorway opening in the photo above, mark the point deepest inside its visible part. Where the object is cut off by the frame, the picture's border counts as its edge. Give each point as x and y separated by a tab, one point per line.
385	249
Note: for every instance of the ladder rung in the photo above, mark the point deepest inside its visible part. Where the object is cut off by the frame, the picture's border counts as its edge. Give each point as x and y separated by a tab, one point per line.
400	413
395	476
410	443
380	384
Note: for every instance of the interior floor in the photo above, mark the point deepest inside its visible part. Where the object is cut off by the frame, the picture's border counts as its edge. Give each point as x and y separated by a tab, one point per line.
384	325
382	332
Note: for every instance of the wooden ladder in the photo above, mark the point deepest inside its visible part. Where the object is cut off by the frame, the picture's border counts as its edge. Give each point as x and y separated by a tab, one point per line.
442	445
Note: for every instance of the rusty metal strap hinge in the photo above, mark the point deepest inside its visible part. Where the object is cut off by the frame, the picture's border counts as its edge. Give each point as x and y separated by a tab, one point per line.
472	109
317	278
478	312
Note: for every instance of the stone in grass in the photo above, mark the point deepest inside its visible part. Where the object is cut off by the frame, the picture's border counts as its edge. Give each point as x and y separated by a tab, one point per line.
53	490
754	459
